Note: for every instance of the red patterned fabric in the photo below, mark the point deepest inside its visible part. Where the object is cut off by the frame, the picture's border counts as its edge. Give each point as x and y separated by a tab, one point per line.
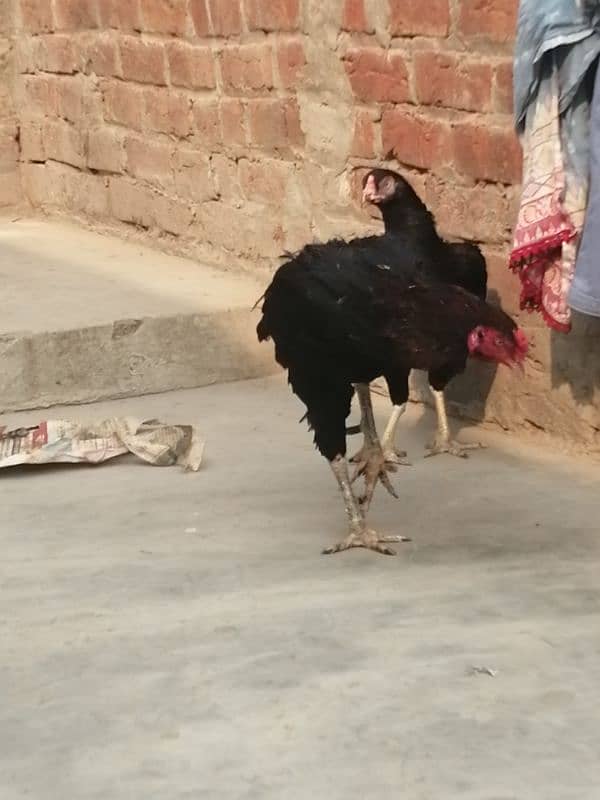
544	250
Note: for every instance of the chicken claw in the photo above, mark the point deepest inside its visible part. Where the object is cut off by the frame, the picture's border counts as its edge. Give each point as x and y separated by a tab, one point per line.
392	457
452	447
374	468
364	537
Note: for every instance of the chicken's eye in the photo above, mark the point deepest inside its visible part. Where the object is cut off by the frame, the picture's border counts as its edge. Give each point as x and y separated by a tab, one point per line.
480	335
498	341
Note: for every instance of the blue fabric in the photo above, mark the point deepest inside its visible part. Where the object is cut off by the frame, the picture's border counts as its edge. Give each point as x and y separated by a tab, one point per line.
585	289
544	26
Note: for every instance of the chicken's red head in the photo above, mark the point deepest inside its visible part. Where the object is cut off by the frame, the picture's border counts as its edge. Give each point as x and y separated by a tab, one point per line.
490	344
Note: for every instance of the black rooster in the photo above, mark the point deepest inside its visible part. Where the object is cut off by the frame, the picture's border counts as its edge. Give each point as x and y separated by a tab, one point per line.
346	313
461	264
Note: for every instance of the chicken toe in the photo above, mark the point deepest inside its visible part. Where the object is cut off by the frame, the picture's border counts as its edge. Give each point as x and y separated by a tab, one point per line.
392	456
369	539
374	468
452	447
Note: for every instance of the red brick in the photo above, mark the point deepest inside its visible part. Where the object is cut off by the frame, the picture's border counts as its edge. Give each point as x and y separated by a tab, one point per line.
293	123
123	104
265	179
274	123
40	95
75	15
377	75
164	16
291	61
267	123
32	142
105	150
192	67
36	16
411	18
56	53
484	153
226	17
503	88
207	123
26	54
199	17
482	212
9	148
453	81
63	142
363	139
415	140
149	160
143	61
84	193
192	176
11	187
131	202
34	179
168	112
246	230
71	98
225	176
232	122
98	54
171	215
492	19
355	18
125	16
272	15
247	67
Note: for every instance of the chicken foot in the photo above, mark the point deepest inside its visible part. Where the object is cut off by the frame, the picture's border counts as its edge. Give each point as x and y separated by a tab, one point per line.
373	466
359	534
442	442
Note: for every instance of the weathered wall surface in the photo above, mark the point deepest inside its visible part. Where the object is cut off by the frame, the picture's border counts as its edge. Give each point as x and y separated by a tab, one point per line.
235	129
10	182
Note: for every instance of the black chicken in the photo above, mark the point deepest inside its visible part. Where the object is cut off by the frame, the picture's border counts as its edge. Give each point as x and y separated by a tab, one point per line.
346	313
461	264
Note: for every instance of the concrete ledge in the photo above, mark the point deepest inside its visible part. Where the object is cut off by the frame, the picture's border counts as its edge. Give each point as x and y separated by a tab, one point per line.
129	358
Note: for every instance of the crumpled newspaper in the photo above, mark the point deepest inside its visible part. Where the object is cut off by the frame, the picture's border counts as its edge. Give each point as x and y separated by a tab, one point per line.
62	441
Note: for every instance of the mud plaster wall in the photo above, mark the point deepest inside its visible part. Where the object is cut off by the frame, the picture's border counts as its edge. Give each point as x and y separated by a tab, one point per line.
10	189
231	130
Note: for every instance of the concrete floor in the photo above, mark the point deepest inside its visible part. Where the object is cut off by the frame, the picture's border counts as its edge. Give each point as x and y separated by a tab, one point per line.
179	636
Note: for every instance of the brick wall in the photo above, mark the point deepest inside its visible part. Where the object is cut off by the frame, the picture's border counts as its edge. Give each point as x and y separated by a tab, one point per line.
10	183
234	129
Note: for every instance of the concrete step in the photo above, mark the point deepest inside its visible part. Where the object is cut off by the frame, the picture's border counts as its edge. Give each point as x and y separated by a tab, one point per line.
88	317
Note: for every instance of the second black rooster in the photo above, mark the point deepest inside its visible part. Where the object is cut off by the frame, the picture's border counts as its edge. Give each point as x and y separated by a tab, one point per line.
408	222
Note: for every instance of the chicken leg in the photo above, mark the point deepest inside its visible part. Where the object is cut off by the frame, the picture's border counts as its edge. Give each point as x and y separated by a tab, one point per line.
442	442
392	456
359	534
373	465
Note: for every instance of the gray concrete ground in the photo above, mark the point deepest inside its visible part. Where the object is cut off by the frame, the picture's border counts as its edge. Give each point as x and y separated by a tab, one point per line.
180	636
88	317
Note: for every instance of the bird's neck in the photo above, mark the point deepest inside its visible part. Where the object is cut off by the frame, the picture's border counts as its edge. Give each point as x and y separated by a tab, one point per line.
397	218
